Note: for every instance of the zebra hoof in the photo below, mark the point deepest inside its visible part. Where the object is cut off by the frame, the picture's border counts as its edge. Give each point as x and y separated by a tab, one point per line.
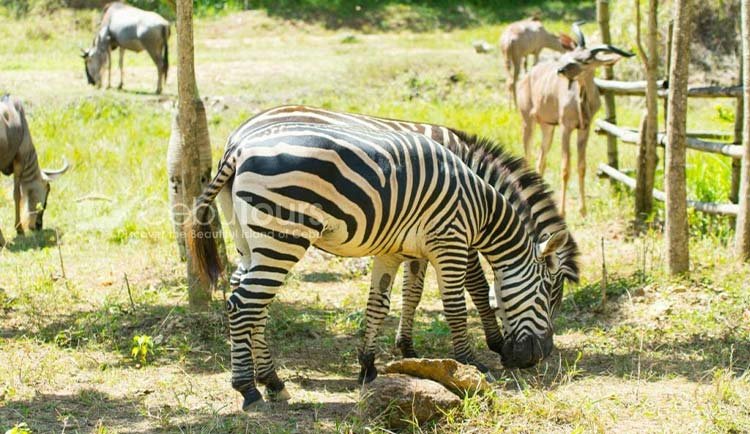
406	348
368	371
473	362
280	396
253	400
367	375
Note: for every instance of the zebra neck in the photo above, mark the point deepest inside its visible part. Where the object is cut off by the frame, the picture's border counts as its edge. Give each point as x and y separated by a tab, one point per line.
504	240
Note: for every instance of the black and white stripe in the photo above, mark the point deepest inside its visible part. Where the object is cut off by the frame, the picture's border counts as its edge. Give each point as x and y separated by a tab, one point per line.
388	194
510	176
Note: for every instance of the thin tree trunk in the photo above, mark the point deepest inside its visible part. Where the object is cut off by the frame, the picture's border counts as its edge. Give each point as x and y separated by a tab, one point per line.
602	14
677	223
189	154
742	241
646	163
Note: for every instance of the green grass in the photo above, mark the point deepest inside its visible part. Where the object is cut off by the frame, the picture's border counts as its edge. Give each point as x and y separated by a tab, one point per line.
661	355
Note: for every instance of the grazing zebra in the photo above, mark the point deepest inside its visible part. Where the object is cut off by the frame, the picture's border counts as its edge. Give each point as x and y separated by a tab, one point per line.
355	192
510	176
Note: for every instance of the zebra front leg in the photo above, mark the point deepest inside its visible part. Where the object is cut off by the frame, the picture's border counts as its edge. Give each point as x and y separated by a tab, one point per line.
450	267
479	290
378	304
414	272
273	255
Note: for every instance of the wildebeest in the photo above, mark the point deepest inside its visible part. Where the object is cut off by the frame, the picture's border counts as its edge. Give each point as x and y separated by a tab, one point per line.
128	28
563	93
18	158
524	38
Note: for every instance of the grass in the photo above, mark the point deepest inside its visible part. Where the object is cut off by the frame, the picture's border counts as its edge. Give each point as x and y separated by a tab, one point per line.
661	355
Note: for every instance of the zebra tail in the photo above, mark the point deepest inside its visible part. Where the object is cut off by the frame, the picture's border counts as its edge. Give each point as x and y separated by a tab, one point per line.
200	237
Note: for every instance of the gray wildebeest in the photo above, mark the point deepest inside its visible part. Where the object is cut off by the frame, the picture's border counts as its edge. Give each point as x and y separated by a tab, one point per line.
18	158
524	38
563	92
128	28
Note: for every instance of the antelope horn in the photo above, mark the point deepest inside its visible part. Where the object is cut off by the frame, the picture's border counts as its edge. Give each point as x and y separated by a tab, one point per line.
610	48
579	33
60	171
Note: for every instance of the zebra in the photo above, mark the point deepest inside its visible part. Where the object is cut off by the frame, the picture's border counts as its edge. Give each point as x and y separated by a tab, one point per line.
523	188
355	192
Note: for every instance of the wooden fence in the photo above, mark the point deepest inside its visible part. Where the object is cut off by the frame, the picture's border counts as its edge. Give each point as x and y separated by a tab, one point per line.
698	140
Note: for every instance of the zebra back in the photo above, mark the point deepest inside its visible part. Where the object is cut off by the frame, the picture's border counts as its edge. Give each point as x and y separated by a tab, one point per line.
524	189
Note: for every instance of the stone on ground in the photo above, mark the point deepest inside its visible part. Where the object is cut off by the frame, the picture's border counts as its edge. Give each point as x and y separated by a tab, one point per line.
463	380
401	401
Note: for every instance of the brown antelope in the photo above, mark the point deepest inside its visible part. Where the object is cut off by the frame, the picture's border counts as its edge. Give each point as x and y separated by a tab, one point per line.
128	28
18	157
563	93
524	38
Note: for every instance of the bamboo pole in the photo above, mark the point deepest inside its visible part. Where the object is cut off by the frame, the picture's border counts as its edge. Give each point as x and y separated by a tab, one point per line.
632	137
638	88
705	207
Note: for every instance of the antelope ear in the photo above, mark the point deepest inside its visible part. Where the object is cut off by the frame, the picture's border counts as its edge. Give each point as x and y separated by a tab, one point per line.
553	243
52	175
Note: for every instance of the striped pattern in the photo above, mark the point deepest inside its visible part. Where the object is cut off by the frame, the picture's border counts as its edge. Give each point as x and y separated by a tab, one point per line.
388	194
510	176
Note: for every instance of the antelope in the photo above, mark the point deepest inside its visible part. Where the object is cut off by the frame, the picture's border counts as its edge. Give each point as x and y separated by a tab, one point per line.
563	92
128	28
525	37
31	185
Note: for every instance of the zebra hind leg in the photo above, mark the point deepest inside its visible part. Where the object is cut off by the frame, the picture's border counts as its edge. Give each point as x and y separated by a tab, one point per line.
271	259
414	272
378	304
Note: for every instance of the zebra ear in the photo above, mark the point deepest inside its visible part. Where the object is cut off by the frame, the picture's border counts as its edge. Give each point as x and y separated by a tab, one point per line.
553	243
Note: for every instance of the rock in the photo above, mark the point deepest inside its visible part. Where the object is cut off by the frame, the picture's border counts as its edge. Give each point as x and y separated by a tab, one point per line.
458	378
400	401
481	46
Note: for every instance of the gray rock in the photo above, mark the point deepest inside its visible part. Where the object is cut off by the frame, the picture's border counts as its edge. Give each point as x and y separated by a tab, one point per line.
400	401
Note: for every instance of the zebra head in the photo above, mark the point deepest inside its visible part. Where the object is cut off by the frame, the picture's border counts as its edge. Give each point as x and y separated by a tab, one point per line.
529	294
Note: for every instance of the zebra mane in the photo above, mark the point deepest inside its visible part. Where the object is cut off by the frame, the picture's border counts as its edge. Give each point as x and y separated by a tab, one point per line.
524	189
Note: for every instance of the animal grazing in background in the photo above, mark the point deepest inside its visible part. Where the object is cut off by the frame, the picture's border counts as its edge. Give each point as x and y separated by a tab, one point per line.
356	192
527	37
127	28
563	92
31	185
526	192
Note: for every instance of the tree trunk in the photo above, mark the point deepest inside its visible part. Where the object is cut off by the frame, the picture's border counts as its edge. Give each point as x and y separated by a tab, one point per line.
677	223
646	163
602	15
742	241
189	153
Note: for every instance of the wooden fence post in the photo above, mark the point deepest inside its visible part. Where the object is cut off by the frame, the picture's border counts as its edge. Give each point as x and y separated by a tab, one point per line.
602	16
676	233
734	192
742	240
